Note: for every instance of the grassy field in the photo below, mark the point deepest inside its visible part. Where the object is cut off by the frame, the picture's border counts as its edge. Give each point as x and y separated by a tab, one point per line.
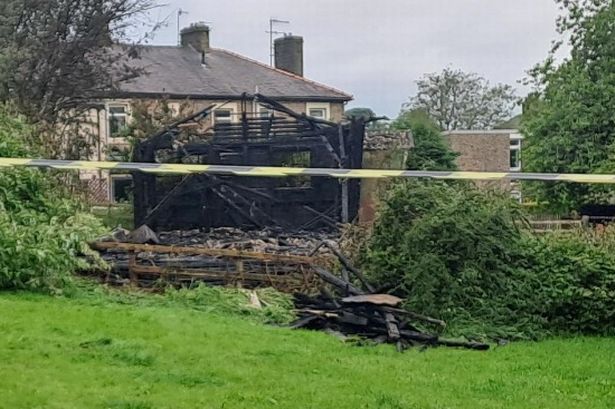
114	216
61	353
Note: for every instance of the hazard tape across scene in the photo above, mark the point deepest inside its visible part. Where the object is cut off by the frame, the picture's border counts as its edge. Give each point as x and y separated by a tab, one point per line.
267	171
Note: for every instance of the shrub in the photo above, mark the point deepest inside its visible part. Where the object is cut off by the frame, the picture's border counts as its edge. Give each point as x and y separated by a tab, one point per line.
42	230
460	254
575	283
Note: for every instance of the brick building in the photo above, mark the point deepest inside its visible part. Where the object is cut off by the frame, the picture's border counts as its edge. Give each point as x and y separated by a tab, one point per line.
488	151
481	151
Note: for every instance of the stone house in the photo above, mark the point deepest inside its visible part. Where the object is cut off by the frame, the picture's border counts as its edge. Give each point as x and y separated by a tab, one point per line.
200	76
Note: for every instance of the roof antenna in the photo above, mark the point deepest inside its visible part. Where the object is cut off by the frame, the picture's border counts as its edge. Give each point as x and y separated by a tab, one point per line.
272	22
180	13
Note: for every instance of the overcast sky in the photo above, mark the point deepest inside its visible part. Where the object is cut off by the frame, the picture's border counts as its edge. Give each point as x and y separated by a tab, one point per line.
375	50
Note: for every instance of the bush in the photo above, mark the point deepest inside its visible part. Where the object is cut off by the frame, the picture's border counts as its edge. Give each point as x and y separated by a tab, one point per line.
575	283
460	254
42	230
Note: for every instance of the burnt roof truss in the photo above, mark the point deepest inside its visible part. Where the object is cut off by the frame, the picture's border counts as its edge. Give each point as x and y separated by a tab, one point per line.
282	137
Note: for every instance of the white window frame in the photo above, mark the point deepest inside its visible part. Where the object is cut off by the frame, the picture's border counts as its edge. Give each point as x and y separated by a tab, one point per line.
126	115
264	112
516	143
319	105
225	107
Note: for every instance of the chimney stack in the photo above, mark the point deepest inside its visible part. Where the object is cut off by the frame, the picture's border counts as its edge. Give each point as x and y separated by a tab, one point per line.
289	54
197	36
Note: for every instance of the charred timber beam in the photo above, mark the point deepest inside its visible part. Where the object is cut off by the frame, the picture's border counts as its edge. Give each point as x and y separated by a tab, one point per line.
416	316
238	209
197	116
177	189
345	262
253	206
340	284
276	106
105	246
329	221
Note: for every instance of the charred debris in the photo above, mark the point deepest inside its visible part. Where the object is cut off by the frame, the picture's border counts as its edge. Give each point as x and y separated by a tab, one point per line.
330	293
253	232
276	136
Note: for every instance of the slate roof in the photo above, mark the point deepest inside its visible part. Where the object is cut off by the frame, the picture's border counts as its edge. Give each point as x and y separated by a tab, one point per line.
178	72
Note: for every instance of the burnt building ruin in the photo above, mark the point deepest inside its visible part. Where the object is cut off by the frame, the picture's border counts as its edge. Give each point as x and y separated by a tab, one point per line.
276	136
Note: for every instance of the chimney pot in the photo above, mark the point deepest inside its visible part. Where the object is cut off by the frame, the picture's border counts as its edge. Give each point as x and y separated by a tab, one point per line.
197	36
289	54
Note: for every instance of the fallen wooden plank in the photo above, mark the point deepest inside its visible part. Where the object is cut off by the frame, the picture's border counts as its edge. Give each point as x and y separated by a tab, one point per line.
375	299
337	282
104	246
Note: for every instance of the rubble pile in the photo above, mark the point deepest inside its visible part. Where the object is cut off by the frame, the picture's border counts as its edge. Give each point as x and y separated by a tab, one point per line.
260	241
303	264
375	317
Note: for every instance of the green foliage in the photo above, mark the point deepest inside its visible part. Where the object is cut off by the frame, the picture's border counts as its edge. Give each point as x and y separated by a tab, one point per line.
459	254
117	215
430	151
275	308
41	229
574	283
147	118
407	119
571	124
363	113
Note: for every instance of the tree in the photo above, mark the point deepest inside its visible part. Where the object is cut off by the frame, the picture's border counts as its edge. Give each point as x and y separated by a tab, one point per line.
430	151
367	114
363	113
56	55
569	124
148	117
458	100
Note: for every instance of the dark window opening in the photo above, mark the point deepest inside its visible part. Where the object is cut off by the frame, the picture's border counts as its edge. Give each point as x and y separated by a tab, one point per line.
298	159
515	159
121	189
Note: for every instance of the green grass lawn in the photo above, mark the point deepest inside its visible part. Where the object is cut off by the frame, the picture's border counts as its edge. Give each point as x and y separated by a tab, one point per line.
114	216
62	353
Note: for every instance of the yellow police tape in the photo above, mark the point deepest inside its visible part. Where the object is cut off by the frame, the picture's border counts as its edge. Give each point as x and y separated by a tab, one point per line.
270	171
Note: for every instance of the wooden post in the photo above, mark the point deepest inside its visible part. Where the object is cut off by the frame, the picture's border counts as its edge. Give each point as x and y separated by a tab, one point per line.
132	263
344	163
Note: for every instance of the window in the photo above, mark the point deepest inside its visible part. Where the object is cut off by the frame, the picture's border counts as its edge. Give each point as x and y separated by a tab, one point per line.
121	188
320	113
516	195
515	191
117	120
265	113
223	116
319	110
515	155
